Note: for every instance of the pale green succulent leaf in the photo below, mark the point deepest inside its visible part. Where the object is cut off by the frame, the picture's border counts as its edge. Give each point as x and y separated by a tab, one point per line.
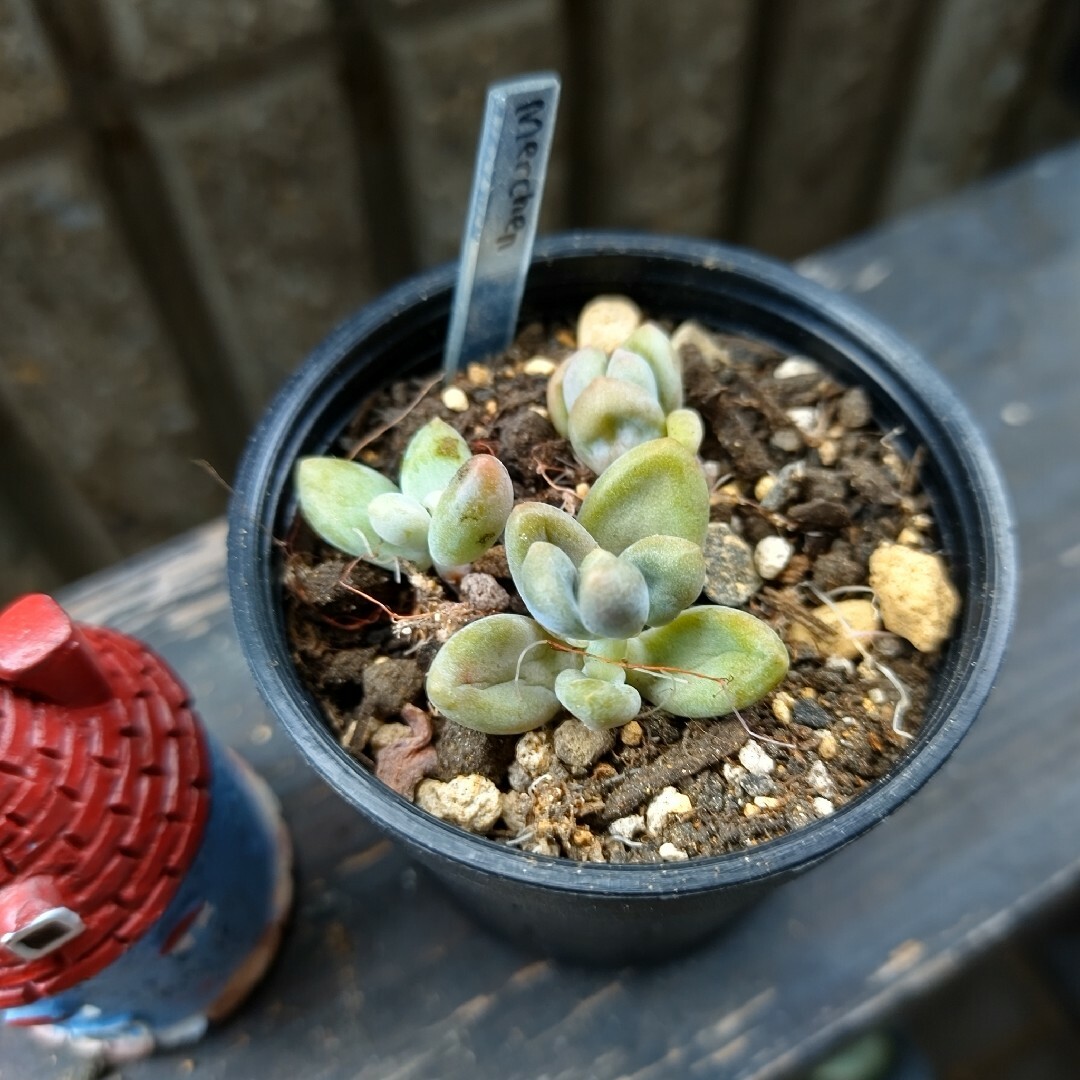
530	522
714	642
611	417
612	597
558	413
598	704
497	675
433	456
472	511
548	584
334	496
632	368
685	426
581	369
674	571
654	346
401	521
655	488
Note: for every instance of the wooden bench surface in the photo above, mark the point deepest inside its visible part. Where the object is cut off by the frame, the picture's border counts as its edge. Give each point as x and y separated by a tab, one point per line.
383	978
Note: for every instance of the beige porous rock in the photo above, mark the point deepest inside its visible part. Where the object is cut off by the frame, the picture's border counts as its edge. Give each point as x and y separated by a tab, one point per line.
606	322
473	801
917	597
846	620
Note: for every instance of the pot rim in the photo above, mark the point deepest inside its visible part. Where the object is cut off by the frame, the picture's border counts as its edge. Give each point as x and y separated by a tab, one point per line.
904	374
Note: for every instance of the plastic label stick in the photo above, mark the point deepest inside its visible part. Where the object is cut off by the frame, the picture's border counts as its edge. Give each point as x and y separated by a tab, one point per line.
496	248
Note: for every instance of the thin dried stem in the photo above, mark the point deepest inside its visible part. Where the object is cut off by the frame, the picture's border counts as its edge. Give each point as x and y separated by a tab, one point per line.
379	432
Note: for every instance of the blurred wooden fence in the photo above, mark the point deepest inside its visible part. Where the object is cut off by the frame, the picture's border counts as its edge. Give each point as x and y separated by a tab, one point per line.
193	191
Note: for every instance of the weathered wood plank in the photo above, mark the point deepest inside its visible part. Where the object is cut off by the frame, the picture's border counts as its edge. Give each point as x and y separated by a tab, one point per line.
31	90
439	63
23	566
160	39
666	100
833	73
973	64
1046	111
266	189
86	368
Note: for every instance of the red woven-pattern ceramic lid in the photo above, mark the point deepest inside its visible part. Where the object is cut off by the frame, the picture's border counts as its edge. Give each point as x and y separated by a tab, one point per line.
104	804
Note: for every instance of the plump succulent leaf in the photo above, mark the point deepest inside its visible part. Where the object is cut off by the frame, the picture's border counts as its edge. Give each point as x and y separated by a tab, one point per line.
530	522
433	456
471	512
610	417
630	367
548	584
613	599
334	497
656	488
496	675
685	426
719	642
575	373
597	703
654	346
674	572
403	522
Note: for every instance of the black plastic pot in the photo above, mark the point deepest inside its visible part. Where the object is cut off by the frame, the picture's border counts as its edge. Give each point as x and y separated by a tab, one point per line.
596	912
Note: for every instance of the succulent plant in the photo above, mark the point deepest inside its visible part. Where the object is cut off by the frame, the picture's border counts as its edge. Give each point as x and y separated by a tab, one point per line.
450	508
605	405
611	594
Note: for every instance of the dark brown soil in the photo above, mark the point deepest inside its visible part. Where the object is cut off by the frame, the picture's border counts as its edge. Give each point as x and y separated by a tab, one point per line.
834	490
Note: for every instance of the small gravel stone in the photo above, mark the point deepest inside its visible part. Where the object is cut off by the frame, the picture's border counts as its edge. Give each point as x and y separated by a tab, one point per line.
841	664
519	779
828	747
631	734
606	322
534	752
917	598
817	776
755	760
794	366
811	714
786	487
730	577
670	803
578	746
836	568
757	785
472	802
788	440
823	807
671	853
626	828
829	452
479	375
484	593
515	810
539	365
854	410
771	556
804	418
455	399
764	486
781	707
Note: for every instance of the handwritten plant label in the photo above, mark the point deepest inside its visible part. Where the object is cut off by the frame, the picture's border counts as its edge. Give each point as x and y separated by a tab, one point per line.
508	186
